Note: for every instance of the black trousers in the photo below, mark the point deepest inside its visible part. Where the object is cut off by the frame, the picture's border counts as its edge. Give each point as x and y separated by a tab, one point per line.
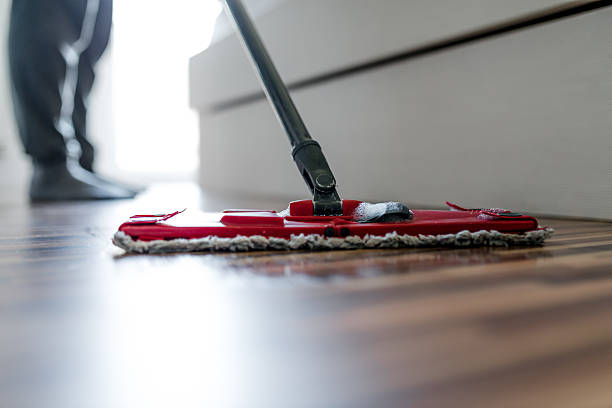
53	48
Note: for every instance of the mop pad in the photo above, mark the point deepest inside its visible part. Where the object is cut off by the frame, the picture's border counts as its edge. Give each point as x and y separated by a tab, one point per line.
297	229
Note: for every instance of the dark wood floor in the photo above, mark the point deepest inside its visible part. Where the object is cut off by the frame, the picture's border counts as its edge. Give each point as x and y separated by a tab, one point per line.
83	325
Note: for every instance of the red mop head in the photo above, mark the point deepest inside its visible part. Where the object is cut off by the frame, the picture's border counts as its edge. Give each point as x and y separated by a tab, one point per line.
297	228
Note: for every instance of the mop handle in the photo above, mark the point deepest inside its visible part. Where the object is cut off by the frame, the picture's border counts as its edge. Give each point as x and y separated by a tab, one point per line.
273	85
307	153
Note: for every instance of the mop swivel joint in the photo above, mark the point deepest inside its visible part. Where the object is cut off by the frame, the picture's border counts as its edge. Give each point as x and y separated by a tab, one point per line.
313	166
327	205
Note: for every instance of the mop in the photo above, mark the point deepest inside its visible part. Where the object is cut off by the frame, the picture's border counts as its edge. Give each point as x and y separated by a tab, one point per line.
326	222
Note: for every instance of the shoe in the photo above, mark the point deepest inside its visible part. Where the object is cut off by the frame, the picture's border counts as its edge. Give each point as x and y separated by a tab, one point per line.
68	181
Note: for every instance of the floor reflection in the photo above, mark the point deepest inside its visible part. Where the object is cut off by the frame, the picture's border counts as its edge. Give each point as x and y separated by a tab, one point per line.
170	332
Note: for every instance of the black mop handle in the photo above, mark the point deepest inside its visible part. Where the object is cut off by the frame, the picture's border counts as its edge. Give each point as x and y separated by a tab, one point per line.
272	83
306	151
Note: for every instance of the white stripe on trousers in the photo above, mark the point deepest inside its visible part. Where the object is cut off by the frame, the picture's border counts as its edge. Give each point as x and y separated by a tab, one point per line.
72	55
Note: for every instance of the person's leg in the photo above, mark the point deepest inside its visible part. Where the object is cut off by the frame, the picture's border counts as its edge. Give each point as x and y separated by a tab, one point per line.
86	77
45	40
37	69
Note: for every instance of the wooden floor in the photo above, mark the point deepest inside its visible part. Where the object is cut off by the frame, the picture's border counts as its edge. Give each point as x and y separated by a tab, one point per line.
84	325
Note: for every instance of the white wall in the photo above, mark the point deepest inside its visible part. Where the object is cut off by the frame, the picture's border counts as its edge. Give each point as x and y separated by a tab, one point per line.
346	32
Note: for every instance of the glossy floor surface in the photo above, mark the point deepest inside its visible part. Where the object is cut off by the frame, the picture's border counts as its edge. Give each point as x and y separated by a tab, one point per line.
84	325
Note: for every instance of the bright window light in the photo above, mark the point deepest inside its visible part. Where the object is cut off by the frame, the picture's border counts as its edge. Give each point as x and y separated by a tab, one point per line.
156	133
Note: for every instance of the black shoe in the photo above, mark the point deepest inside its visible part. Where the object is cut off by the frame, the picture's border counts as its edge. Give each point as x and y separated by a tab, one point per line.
69	181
